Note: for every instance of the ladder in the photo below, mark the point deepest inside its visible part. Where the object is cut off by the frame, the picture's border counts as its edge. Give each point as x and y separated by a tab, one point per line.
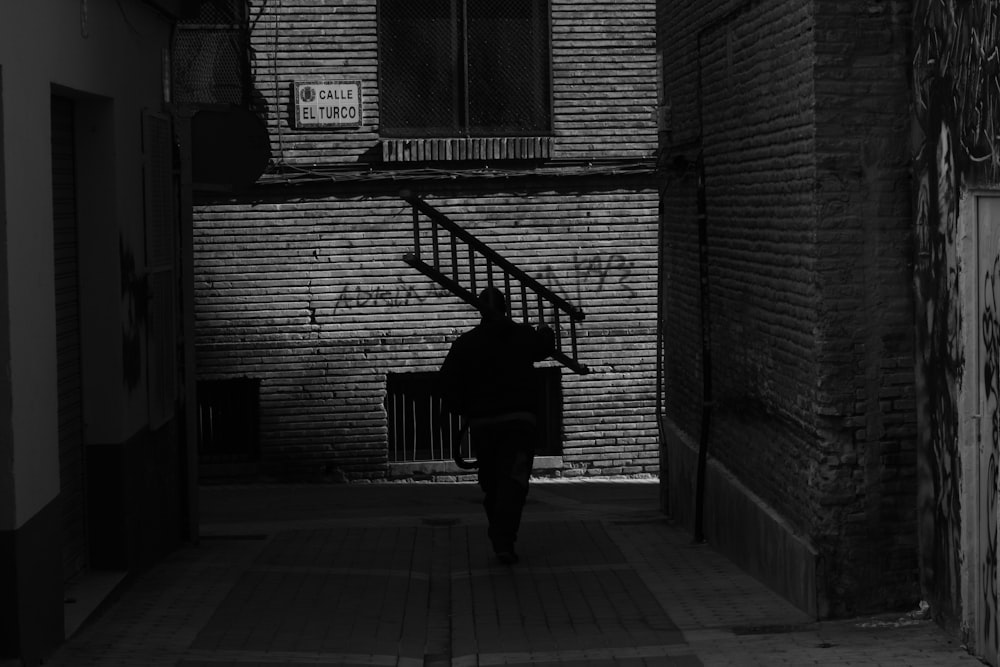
464	265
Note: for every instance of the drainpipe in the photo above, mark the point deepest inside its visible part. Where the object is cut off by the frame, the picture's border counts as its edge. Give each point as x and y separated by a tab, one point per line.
706	348
660	320
706	317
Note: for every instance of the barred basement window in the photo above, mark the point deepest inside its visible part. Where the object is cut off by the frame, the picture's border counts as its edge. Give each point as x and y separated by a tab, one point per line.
464	68
420	429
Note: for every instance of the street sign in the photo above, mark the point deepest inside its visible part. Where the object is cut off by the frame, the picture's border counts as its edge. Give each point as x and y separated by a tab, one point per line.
327	104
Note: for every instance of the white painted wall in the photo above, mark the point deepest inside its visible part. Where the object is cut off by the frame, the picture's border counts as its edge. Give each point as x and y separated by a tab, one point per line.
110	54
979	239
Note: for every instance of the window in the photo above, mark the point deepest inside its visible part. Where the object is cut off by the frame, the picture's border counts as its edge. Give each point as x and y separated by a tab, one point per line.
464	68
211	56
419	429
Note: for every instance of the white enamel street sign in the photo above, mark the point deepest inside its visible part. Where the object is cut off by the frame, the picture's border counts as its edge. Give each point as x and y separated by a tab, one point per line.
327	104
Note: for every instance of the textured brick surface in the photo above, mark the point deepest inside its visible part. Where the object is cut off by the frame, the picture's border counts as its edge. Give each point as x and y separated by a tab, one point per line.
312	298
603	75
801	116
305	288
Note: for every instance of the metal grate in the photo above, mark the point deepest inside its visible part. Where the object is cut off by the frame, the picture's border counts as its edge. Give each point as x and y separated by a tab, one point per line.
779	629
421	430
228	420
215	13
466	148
419	427
508	66
464	67
211	57
65	235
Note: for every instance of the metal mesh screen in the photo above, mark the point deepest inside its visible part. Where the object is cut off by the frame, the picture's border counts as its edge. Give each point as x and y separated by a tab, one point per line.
456	67
419	57
210	55
508	66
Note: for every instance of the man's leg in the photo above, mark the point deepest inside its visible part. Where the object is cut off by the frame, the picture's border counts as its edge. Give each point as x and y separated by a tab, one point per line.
504	503
514	464
520	474
490	473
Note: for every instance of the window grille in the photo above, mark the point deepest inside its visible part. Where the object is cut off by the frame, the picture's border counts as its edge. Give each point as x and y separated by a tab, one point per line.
210	55
420	430
229	420
419	427
464	67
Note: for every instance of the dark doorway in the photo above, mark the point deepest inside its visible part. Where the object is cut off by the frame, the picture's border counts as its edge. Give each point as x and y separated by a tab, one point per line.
72	469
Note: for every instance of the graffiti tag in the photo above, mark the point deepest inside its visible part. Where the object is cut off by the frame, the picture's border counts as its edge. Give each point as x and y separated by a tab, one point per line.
591	275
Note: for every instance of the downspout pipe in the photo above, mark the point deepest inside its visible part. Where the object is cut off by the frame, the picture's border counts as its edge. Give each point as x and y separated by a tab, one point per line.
707	397
706	350
706	300
660	348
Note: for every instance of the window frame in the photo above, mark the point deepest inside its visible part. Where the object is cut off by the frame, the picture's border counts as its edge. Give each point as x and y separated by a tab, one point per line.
461	75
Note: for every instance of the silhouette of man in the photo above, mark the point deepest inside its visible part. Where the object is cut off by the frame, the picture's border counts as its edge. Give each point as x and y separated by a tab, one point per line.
487	376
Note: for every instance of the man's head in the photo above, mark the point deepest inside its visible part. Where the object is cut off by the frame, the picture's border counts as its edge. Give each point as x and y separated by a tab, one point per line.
492	303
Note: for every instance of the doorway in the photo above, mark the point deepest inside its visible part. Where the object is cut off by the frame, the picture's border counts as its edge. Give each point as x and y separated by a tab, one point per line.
72	467
984	485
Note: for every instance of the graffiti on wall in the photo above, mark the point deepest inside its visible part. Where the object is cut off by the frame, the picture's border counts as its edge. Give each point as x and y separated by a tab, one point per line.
940	363
378	296
591	274
133	297
587	275
956	84
988	515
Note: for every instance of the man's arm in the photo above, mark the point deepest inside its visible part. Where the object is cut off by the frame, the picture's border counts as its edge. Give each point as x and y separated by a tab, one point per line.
450	381
544	342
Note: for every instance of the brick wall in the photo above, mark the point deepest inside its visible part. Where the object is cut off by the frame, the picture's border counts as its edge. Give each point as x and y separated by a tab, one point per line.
680	296
311	296
604	78
759	187
603	75
312	40
866	349
802	109
303	285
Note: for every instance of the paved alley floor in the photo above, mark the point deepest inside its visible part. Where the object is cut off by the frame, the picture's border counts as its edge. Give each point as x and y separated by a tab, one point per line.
402	574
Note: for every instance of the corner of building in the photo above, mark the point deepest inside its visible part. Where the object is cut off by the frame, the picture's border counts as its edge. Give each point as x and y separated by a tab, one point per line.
31	590
742	527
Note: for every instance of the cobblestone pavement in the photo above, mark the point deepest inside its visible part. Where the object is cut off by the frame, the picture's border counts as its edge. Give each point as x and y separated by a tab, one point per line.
401	574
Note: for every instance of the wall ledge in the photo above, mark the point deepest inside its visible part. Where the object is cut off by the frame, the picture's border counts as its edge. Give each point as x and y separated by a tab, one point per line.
741	526
430	149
